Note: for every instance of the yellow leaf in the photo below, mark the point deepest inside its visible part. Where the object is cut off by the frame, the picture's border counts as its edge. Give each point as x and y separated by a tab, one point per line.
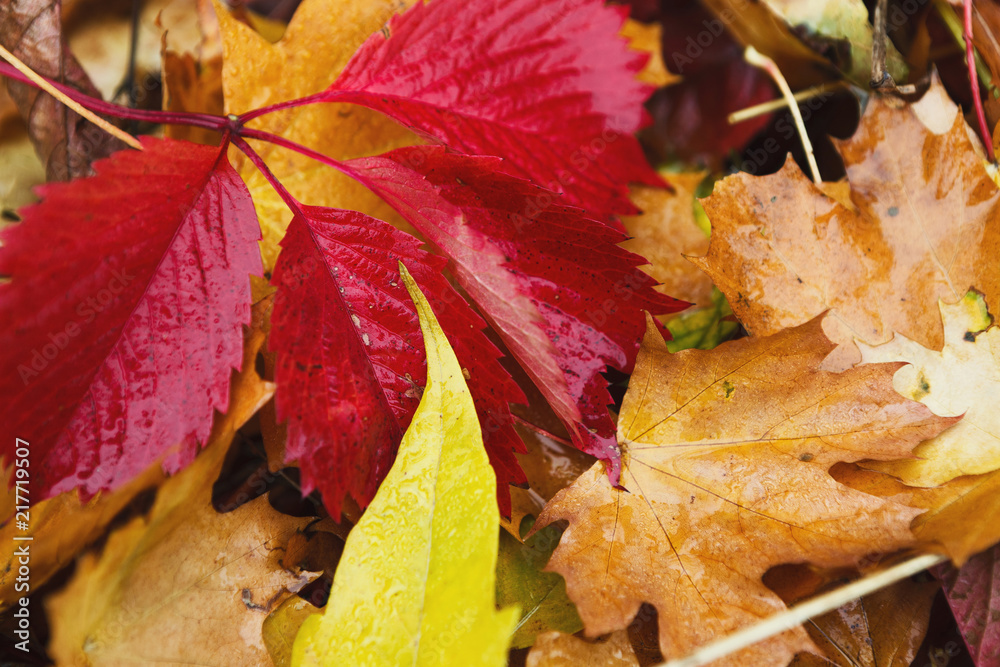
415	585
961	379
281	626
648	37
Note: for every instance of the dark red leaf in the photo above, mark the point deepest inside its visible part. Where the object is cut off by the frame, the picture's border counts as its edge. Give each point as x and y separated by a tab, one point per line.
692	115
351	365
566	300
973	593
546	84
126	302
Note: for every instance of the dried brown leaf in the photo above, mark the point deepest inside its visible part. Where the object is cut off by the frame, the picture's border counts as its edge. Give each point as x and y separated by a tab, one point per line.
665	232
927	227
185	584
66	144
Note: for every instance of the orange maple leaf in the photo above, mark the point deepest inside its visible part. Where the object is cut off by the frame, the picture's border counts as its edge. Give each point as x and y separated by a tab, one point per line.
728	453
921	222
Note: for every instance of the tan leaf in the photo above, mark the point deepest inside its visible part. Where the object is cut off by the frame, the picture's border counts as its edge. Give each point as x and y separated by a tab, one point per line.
962	379
555	649
728	453
665	232
884	629
184	584
927	227
193	81
963	516
20	168
648	37
550	466
60	528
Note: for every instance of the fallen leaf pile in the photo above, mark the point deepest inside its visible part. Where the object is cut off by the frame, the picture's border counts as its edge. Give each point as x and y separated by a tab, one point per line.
440	333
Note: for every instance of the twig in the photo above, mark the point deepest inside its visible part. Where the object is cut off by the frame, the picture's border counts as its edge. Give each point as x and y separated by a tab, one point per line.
792	618
757	59
133	48
51	90
880	77
781	103
977	101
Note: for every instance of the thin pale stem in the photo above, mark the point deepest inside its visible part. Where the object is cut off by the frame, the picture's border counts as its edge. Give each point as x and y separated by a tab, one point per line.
781	103
977	101
94	104
290	201
799	614
65	99
758	59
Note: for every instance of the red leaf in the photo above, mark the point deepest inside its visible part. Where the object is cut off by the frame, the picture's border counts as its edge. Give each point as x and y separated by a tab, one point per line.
351	365
546	84
127	295
564	297
973	593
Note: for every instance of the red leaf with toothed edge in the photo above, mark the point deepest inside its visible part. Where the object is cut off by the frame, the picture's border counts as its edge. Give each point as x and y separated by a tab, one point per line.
548	86
566	300
128	295
973	593
350	358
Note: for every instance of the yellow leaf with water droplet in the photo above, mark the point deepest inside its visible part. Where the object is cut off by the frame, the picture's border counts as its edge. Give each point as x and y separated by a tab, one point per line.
415	585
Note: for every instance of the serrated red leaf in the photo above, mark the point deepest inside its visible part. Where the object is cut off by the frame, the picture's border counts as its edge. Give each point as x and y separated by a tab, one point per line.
566	300
973	593
127	297
351	365
548	85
